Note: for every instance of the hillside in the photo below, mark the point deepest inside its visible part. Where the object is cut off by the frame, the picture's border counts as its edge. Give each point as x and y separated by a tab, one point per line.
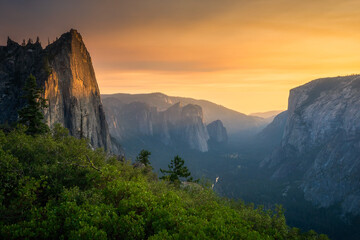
54	186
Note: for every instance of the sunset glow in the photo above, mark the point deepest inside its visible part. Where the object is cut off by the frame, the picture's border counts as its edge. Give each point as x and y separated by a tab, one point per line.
245	55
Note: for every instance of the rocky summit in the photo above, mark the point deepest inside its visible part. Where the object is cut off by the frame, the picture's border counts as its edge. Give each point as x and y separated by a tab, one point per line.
321	142
64	70
217	132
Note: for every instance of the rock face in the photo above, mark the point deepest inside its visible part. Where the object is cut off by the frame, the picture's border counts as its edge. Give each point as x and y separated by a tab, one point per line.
129	120
217	132
234	122
321	142
177	124
65	71
184	124
272	134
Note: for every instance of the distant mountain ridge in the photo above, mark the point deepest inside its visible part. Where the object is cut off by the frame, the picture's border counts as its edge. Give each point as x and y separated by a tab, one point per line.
233	121
269	115
178	125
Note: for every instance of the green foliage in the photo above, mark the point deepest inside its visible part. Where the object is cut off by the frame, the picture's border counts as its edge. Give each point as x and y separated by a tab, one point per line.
143	157
31	115
176	171
54	186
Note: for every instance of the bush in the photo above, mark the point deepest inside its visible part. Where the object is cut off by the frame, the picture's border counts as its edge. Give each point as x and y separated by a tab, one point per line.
54	186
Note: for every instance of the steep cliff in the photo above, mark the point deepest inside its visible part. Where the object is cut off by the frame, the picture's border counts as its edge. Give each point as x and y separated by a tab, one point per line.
217	132
65	71
177	125
234	122
271	135
186	124
321	142
126	121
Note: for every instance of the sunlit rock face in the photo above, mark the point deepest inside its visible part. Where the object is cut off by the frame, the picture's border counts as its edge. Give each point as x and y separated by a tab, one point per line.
177	125
217	132
321	142
65	71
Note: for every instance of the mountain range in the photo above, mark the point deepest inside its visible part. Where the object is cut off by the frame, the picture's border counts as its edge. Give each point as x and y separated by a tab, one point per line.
313	146
176	125
234	122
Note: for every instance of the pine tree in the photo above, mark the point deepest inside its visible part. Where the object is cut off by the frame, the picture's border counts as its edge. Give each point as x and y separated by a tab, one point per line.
31	115
176	171
143	157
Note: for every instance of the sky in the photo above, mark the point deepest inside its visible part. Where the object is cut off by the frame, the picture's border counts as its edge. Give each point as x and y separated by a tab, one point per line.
244	55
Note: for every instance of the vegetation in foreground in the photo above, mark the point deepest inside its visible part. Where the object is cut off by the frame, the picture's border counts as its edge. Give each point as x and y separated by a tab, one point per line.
55	186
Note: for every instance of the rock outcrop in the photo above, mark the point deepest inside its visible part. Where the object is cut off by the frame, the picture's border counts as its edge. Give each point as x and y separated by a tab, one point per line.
65	71
177	125
217	132
234	122
185	124
321	142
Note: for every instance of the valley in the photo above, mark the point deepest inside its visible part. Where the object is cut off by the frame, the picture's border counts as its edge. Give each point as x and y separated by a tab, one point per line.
258	163
305	158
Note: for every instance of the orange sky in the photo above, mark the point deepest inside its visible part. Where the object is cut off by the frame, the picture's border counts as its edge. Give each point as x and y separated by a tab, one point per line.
245	55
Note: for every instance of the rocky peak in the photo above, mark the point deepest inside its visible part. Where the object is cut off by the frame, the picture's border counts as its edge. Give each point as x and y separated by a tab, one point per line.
217	132
184	124
192	110
65	71
173	113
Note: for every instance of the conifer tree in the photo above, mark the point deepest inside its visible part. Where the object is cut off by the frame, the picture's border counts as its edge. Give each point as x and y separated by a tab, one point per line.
143	157
176	171
31	115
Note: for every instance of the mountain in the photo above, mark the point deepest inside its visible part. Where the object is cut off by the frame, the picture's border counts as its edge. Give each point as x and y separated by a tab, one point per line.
177	125
233	121
64	70
184	124
217	132
272	134
269	115
320	145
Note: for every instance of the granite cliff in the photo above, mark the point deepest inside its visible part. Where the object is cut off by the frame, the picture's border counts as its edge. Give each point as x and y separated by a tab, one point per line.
217	132
176	125
234	122
271	135
320	145
184	124
64	70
